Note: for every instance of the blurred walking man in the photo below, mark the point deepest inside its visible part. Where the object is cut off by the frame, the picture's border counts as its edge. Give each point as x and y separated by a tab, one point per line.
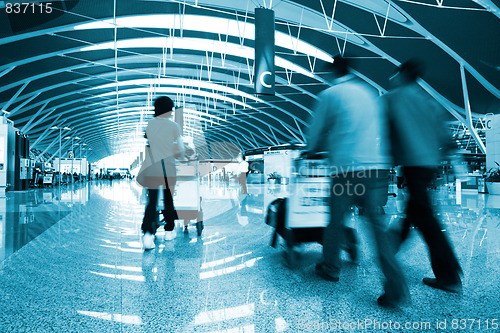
419	143
242	173
348	122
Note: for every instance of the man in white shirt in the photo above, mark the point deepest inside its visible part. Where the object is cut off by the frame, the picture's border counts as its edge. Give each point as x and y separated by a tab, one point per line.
348	122
243	171
165	142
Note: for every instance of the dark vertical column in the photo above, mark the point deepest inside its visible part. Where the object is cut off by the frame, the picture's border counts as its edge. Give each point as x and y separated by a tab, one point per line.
264	52
17	162
26	148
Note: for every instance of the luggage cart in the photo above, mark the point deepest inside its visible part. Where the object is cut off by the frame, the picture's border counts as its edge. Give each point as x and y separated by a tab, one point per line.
48	179
302	217
187	199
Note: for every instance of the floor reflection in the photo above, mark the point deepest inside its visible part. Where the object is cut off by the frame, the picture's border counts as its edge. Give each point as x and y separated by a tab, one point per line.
24	215
91	270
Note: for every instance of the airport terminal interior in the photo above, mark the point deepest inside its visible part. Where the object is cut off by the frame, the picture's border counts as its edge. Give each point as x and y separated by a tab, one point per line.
78	83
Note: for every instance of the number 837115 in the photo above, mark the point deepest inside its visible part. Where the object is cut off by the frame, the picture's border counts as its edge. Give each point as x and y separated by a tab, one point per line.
28	8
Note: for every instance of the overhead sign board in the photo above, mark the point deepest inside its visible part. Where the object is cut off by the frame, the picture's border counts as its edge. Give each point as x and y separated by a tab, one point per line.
264	51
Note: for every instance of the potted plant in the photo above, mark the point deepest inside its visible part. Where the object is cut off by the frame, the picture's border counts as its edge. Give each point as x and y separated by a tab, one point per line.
493	180
273	177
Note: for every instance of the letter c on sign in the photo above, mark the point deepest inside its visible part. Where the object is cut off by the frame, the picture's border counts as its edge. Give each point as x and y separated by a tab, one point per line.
488	124
262	79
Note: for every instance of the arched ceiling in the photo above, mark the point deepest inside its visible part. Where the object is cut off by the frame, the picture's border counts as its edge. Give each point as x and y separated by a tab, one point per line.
95	66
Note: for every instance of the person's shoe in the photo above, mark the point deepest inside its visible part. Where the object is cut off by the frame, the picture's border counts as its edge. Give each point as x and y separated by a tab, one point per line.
450	287
320	271
388	302
169	235
148	241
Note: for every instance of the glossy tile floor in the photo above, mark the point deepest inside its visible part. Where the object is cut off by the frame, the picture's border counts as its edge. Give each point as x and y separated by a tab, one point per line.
71	261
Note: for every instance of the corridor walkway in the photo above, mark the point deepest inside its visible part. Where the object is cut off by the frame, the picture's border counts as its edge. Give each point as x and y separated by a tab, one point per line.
72	262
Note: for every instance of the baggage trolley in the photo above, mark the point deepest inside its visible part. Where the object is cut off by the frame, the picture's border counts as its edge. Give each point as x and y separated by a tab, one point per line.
48	179
187	199
302	217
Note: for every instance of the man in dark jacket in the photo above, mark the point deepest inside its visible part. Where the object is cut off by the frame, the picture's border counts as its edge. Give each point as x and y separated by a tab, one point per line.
419	143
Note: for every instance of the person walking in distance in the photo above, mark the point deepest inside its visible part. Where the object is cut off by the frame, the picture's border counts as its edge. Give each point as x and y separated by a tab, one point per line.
242	173
348	122
165	145
419	143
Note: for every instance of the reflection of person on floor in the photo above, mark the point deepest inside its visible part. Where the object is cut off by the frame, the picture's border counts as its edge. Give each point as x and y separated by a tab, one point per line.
165	146
179	260
348	122
242	173
420	143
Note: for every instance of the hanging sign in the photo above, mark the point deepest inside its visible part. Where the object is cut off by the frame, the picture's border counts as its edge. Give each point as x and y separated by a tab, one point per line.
264	51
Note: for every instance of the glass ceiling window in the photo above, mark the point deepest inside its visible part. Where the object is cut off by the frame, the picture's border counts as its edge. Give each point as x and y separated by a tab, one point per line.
216	25
197	44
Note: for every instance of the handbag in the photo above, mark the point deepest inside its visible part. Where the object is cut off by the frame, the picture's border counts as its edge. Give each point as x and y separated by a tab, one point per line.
152	174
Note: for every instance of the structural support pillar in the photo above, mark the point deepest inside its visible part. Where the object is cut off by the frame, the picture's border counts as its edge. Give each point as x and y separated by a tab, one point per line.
468	113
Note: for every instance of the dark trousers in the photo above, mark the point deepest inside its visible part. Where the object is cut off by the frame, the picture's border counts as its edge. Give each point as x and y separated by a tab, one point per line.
419	214
368	189
169	212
